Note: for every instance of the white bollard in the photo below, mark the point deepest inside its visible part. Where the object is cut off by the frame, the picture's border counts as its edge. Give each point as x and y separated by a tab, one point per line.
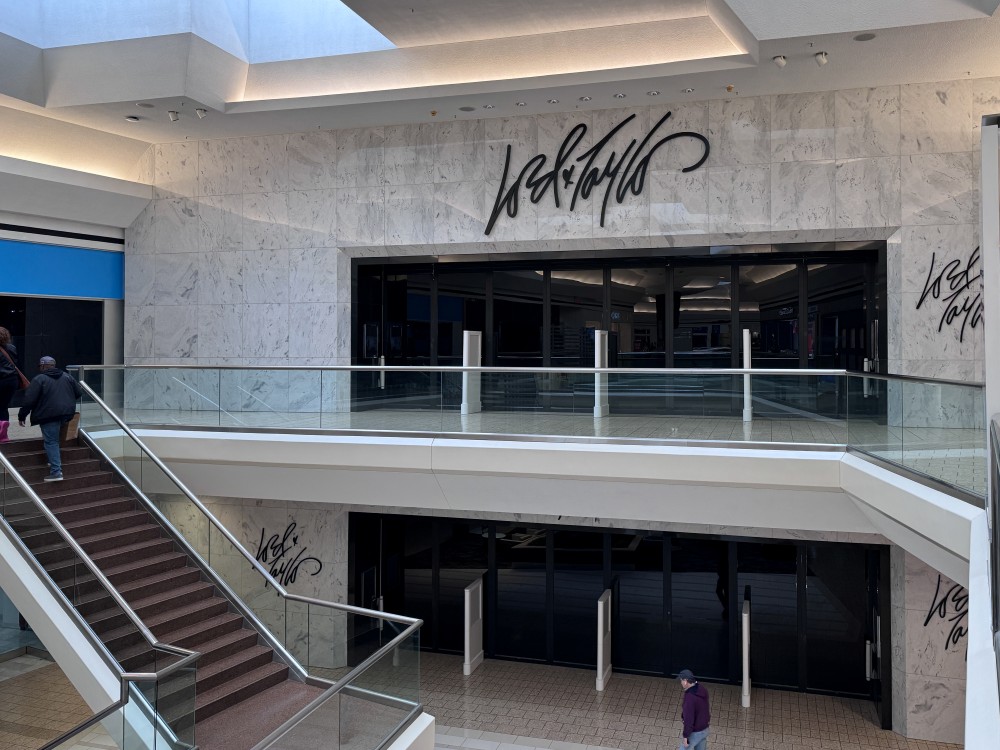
747	403
745	693
604	640
601	408
473	626
472	356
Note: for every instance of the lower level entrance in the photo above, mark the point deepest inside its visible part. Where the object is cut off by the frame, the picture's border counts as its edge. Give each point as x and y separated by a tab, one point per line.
816	607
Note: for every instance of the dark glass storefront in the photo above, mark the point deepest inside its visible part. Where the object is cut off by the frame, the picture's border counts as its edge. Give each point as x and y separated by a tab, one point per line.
677	598
70	330
807	306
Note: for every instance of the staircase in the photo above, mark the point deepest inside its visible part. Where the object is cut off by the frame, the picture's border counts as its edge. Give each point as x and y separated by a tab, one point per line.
244	690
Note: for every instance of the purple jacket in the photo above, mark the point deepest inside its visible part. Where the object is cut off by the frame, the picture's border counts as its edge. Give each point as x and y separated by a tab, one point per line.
694	712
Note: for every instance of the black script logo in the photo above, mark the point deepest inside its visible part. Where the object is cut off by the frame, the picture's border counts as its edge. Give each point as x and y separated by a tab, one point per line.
276	553
952	606
960	287
621	175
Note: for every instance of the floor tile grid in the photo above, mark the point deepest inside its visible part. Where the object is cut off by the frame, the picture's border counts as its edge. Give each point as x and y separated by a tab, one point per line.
509	703
37	706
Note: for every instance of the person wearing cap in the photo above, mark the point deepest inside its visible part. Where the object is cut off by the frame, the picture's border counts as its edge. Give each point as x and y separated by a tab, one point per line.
694	712
50	399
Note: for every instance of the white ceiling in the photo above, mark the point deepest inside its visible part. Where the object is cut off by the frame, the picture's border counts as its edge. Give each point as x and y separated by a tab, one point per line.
66	106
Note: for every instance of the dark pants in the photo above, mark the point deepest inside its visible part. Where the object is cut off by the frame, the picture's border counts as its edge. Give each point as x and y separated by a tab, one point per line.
8	387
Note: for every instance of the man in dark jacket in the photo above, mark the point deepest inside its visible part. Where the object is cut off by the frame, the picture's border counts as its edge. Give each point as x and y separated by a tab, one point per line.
51	401
694	712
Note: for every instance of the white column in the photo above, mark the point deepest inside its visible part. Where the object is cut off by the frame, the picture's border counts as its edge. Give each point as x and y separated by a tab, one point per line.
472	356
604	640
601	408
747	403
990	199
745	622
473	626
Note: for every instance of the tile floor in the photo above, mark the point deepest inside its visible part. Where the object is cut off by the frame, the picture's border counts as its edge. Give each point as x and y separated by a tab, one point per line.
515	706
37	704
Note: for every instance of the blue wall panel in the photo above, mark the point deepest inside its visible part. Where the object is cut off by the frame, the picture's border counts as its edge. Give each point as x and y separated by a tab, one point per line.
57	271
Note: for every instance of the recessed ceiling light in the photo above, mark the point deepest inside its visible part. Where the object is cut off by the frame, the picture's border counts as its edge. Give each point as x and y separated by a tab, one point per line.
866	37
468	109
553	101
487	106
520	104
688	91
174	117
654	92
145	105
584	98
132	118
620	96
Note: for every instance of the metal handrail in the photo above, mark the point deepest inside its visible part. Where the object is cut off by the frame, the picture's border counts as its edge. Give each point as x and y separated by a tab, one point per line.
254	563
703	371
91	566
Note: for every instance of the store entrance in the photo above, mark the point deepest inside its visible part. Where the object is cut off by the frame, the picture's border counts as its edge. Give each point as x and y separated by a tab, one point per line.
816	608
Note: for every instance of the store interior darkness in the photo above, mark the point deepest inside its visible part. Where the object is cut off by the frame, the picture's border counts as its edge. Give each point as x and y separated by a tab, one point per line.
807	306
70	330
677	598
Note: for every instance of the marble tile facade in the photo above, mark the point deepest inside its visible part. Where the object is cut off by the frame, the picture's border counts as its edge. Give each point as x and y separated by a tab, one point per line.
929	642
263	229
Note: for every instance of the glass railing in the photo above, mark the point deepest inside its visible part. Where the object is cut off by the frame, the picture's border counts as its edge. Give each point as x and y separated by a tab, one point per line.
993	519
932	427
156	708
365	657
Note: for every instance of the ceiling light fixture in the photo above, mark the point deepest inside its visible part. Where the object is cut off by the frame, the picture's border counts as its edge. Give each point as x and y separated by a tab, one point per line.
145	105
553	101
202	113
487	106
780	60
654	92
584	98
467	109
132	118
866	37
620	96
688	91
172	114
520	104
821	58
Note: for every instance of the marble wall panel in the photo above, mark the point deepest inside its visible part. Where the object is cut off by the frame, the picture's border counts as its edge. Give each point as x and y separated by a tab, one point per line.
867	122
312	160
409	215
802	195
140	237
175	331
521	134
254	390
936	710
220	167
802	127
360	158
176	279
360	217
409	154
175	170
739	198
312	218
265	221
140	271
459	151
868	192
678	202
937	118
220	329
939	188
265	164
313	275
221	222
459	212
522	227
681	152
139	325
553	130
176	226
265	330
265	276
145	166
740	131
312	330
305	390
220	279
927	251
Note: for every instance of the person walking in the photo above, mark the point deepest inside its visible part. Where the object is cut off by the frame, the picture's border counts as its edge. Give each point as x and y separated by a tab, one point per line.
694	712
10	380
51	401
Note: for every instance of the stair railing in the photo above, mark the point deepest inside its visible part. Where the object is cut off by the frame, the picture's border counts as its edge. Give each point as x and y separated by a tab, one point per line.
407	628
187	657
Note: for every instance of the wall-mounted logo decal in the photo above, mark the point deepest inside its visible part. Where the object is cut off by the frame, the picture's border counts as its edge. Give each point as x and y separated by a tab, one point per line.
618	174
960	288
953	606
276	553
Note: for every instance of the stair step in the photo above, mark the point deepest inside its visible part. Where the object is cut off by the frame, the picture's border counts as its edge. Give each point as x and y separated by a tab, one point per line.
76	481
239	689
110	539
122	637
139	588
94	509
144	549
167	600
69	468
231	666
31	459
226	645
65	497
190	636
187	615
133	571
